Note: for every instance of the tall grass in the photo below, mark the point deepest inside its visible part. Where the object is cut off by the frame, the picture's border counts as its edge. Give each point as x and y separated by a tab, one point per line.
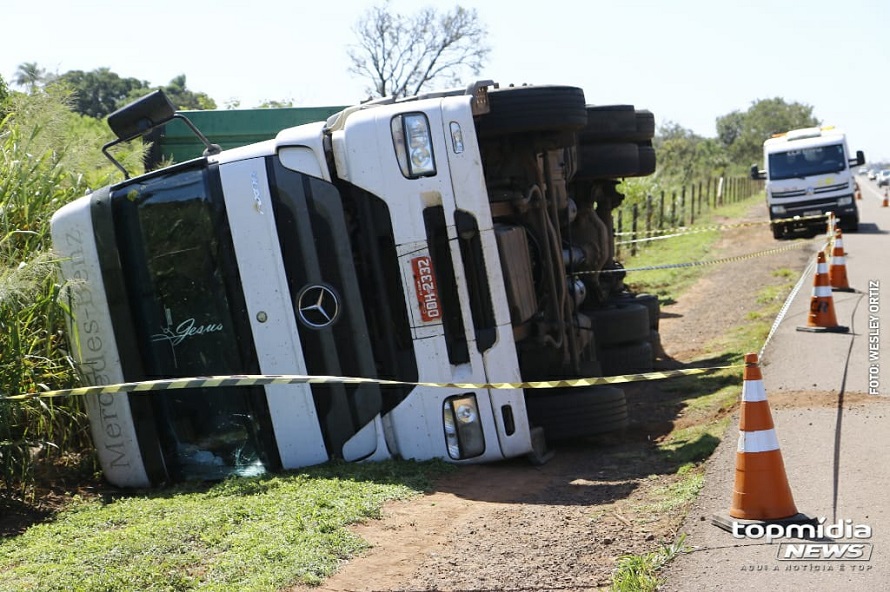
48	155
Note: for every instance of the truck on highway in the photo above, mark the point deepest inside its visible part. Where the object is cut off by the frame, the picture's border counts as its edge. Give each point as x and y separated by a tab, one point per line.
462	236
809	172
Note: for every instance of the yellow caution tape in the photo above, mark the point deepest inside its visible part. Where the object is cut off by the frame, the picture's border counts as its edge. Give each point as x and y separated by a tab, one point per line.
242	380
682	230
678	230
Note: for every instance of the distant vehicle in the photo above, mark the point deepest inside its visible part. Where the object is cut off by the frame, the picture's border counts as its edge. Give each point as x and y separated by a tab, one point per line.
872	175
863	170
809	173
883	177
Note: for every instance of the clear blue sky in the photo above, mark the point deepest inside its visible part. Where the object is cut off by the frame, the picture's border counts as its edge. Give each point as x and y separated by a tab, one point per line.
688	61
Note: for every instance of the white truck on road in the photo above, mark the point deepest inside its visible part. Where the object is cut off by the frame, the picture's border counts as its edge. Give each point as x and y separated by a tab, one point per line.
809	173
456	237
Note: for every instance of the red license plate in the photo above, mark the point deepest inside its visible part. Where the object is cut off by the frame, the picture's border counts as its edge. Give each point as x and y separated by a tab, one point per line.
425	285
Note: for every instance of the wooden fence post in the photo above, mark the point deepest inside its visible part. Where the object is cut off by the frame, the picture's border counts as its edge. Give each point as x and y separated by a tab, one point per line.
633	229
618	231
661	211
673	209
648	214
683	206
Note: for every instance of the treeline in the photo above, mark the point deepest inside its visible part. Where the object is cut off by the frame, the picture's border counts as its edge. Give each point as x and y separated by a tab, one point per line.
684	157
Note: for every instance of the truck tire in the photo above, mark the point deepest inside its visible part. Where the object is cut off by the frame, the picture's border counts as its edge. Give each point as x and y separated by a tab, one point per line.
650	301
608	160
619	323
630	358
608	122
577	412
645	128
534	109
647	160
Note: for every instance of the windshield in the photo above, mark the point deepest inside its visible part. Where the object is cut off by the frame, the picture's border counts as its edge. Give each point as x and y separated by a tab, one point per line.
806	162
179	269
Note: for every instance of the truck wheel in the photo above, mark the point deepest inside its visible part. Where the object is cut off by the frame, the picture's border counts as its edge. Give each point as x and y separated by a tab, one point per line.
577	412
647	160
631	358
534	109
608	122
650	301
645	125
619	323
608	160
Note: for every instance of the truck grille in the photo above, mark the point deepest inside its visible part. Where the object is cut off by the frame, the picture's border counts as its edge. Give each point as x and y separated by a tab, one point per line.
317	248
803	192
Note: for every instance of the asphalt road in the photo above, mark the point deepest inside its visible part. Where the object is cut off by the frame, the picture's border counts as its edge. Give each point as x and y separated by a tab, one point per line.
830	399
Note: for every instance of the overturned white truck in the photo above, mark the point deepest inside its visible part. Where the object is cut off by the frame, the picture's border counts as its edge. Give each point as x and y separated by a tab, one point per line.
460	236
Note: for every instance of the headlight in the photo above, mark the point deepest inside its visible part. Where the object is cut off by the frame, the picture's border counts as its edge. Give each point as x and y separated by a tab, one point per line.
413	144
845	201
463	430
778	209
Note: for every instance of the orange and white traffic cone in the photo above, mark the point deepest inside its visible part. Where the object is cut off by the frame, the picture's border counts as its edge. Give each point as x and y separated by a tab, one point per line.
837	271
885	203
858	191
822	318
761	491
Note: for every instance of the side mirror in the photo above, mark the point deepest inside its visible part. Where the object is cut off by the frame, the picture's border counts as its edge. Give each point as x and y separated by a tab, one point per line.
860	158
756	173
143	115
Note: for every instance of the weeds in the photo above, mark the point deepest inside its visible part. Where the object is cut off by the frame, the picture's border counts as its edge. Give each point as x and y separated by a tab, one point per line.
41	145
639	573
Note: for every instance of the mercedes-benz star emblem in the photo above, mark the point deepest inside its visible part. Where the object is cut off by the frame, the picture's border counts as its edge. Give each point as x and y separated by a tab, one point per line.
318	306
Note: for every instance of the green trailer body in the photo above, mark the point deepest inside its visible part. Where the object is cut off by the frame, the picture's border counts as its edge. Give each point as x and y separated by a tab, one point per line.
230	128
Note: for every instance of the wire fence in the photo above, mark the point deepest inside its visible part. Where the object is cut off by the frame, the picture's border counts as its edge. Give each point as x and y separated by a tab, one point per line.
666	212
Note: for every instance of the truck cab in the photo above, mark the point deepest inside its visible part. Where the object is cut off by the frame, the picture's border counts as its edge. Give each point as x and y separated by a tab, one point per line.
809	172
451	238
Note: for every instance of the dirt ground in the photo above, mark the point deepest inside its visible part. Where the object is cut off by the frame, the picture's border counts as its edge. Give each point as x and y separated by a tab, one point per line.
564	525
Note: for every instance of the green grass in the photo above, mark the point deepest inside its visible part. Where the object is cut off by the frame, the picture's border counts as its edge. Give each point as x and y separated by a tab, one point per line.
639	573
678	494
242	534
667	284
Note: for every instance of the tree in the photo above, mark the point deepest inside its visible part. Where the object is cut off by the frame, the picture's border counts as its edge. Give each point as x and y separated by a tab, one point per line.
684	156
743	133
183	98
29	75
400	54
100	92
